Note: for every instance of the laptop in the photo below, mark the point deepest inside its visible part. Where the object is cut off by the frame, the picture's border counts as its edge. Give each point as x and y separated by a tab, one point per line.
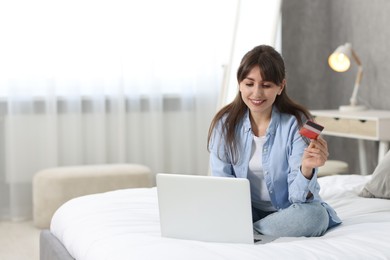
206	208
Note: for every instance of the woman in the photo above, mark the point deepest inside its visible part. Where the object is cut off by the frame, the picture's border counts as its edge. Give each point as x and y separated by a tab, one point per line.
257	137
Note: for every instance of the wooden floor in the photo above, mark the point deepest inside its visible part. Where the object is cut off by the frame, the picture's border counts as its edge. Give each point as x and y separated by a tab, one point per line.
19	241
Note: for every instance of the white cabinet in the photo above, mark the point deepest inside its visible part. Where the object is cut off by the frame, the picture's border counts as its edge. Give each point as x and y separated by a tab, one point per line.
361	125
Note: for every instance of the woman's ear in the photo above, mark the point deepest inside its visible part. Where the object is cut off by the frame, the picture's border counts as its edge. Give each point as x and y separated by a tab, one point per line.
282	87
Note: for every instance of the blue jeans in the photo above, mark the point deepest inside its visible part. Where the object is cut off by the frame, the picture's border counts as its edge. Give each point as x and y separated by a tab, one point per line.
300	219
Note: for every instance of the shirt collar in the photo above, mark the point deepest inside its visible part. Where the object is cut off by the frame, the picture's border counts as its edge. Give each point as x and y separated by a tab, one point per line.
275	118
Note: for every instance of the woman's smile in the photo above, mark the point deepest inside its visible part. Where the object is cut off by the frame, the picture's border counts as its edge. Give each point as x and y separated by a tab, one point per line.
257	102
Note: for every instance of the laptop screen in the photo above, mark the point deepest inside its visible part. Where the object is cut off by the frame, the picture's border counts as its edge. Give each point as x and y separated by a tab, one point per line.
205	208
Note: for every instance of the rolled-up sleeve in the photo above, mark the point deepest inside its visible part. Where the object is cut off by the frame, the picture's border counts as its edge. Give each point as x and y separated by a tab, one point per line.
301	187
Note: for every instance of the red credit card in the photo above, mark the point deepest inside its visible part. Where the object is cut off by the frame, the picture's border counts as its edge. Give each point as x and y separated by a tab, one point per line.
311	130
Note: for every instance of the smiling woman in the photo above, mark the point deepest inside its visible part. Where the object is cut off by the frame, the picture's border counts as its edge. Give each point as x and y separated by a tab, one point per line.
257	93
257	137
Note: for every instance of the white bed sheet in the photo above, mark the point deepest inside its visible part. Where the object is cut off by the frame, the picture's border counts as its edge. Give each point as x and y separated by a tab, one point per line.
124	224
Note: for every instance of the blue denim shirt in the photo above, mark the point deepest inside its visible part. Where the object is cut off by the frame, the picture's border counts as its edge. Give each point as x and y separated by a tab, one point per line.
282	155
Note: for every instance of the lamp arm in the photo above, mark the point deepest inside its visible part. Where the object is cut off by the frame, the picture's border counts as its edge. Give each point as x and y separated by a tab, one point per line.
353	99
359	75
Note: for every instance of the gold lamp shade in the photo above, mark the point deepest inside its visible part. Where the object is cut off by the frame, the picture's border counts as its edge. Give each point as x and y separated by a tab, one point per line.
339	60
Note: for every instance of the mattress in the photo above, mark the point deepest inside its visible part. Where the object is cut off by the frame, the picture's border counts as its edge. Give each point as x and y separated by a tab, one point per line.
124	224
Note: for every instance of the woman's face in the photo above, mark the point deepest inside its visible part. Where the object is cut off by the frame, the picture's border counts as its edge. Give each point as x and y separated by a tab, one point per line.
257	94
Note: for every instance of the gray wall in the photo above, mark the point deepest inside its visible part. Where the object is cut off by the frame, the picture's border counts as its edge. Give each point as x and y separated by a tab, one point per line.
311	30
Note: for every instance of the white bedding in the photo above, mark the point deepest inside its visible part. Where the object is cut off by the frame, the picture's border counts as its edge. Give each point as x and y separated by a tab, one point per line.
124	224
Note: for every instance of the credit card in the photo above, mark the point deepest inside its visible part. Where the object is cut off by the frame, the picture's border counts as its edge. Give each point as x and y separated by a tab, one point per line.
311	130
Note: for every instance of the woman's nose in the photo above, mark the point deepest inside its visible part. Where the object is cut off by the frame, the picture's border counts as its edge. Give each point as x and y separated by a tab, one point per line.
258	90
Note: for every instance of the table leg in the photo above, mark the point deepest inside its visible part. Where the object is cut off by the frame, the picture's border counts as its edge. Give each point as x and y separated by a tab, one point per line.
362	157
383	148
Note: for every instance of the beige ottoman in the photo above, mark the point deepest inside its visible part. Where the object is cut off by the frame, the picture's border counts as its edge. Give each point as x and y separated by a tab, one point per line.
53	187
332	167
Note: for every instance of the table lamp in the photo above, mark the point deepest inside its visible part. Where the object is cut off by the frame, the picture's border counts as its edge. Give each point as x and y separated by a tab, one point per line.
340	61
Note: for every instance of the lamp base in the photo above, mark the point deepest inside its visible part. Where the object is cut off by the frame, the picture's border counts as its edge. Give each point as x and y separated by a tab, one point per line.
352	108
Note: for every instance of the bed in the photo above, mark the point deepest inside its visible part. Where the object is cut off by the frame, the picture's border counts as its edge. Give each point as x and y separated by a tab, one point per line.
124	224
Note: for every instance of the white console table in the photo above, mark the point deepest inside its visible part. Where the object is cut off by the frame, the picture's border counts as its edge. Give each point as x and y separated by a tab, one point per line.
361	125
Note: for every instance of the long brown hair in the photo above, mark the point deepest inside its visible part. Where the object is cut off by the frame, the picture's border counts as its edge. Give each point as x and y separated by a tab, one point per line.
272	69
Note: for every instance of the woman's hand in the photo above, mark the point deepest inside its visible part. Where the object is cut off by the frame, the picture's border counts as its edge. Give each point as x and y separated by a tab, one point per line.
315	155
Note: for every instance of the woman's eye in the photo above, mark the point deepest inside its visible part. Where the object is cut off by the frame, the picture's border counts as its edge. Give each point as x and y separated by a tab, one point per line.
249	84
266	86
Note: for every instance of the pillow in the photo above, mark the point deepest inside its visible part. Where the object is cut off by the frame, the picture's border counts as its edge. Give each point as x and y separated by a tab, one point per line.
379	185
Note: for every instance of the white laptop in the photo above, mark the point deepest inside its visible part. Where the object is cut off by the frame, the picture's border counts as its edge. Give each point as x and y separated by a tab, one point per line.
205	208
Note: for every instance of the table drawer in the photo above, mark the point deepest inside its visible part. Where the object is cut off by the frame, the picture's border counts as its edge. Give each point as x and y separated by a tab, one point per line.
348	126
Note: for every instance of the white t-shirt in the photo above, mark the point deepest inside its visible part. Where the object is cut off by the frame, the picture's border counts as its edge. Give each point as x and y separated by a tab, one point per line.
259	191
